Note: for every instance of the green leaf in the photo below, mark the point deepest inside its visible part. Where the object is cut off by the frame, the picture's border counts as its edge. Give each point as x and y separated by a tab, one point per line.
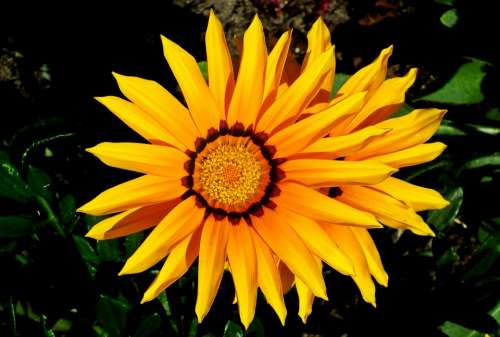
493	114
67	207
150	326
162	298
338	82
86	251
112	315
256	328
11	185
132	242
47	332
455	330
449	18
204	69
232	330
446	2
442	218
447	129
487	257
62	325
464	87
108	250
193	329
17	225
404	110
39	182
491	160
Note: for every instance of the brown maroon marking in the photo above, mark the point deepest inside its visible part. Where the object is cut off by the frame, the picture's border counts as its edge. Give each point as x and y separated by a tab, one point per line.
189	166
249	131
237	130
219	213
187	194
269	203
212	135
200	144
276	174
201	202
260	138
187	181
268	151
234	217
277	161
191	154
256	209
272	190
334	192
223	128
247	219
207	213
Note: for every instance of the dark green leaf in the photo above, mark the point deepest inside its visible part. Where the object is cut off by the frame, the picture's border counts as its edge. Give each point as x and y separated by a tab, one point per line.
454	330
67	207
491	160
256	328
17	225
487	257
86	251
463	88
11	185
193	329
449	18
442	218
112	315
447	129
204	69
48	332
232	330
338	81
150	326
108	250
446	2
404	110
62	325
39	182
132	242
162	298
493	114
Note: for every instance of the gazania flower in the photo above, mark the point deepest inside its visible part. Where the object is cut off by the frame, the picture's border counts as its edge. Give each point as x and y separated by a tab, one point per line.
244	174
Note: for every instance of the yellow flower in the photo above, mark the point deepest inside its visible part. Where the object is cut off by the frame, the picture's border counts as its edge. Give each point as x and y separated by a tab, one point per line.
241	175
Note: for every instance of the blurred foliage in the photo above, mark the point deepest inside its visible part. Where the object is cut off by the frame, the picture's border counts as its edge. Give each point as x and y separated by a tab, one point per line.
56	282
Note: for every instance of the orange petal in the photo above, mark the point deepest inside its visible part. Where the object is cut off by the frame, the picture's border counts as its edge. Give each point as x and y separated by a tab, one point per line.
313	204
179	223
142	191
249	90
275	64
371	254
285	243
177	264
131	221
220	67
199	99
243	264
144	158
210	263
414	155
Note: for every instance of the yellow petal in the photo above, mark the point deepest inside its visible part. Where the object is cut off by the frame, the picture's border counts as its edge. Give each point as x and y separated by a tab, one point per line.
327	173
211	261
164	108
346	240
368	78
199	99
275	64
417	197
177	264
242	261
371	254
386	99
306	299
412	129
318	41
144	158
310	203
142	191
340	146
414	155
137	119
179	223
268	277
384	207
220	67
249	90
297	96
298	136
131	221
285	243
318	242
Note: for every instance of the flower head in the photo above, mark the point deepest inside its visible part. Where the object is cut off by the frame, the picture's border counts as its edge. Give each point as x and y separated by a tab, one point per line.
263	172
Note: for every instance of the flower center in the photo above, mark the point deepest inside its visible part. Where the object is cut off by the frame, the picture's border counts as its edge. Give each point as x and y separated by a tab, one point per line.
230	174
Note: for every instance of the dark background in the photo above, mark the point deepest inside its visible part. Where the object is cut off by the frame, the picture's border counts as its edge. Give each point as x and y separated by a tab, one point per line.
55	282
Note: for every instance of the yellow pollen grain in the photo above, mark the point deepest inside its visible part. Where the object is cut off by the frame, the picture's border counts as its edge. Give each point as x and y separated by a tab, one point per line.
230	174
